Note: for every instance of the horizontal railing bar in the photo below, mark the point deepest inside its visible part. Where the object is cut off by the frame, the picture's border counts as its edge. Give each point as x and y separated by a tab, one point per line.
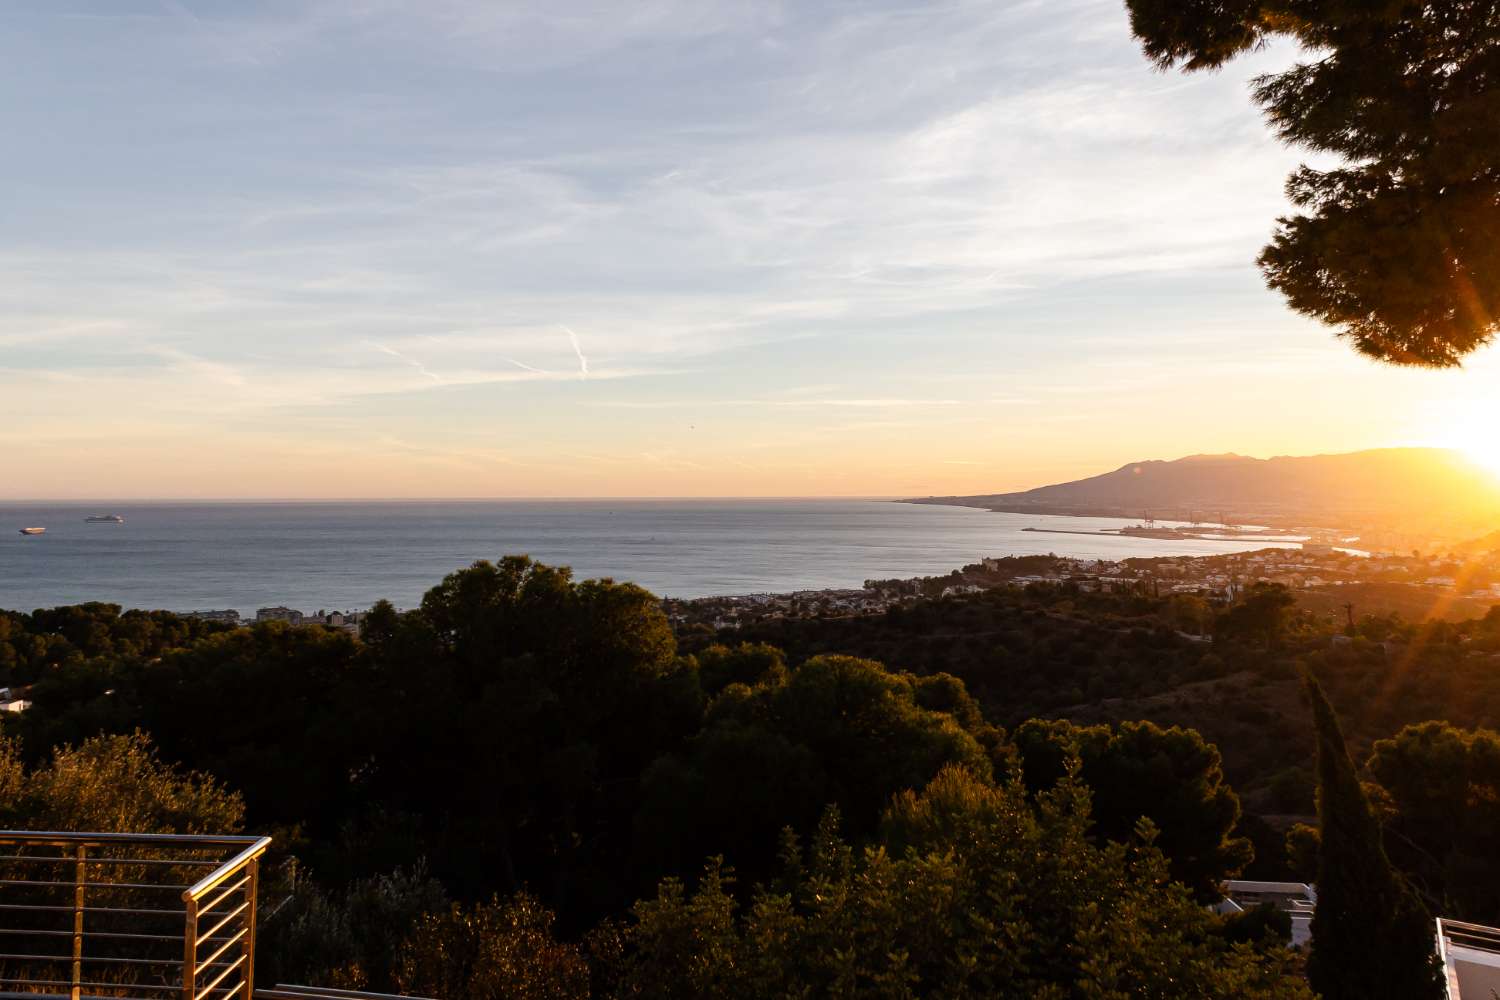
123	936
33	995
93	885
65	839
67	959
1450	922
91	909
1482	942
212	882
282	990
39	933
92	958
207	987
91	859
210	907
220	925
112	935
113	986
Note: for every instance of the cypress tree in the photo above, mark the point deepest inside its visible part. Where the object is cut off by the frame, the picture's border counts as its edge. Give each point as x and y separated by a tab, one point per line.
1371	937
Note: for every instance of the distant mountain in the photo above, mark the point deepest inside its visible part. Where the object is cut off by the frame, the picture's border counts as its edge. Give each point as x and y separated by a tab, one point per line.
1429	490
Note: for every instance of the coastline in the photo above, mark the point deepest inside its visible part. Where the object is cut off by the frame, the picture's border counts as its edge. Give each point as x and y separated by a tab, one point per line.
347	556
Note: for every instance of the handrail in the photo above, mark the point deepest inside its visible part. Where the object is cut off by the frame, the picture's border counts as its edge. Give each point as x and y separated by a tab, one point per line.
61	838
81	886
284	992
1478	930
229	868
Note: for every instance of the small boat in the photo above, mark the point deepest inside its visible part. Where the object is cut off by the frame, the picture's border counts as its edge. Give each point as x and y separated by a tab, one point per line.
32	531
105	519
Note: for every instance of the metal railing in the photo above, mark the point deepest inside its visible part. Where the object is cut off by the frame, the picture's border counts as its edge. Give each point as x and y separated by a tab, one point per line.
1475	936
128	916
284	992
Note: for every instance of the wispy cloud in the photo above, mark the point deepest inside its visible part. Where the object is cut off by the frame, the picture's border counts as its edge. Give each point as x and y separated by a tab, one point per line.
410	362
583	362
871	403
365	219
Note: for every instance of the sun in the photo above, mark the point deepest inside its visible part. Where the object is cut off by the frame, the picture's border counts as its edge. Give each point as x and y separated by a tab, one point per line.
1480	444
1467	422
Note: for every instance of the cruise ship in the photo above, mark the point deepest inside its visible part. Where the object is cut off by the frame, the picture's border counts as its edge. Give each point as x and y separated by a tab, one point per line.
105	519
32	531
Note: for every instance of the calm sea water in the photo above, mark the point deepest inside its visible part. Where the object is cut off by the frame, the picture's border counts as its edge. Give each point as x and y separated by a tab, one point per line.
186	556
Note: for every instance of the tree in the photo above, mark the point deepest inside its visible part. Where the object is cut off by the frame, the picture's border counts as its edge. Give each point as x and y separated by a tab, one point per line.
973	891
554	695
748	663
1442	785
1262	615
113	784
350	938
501	950
1371	936
1399	248
1188	613
835	730
1172	777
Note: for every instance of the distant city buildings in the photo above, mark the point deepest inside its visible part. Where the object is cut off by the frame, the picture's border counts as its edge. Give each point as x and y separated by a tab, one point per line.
1313	567
348	621
226	617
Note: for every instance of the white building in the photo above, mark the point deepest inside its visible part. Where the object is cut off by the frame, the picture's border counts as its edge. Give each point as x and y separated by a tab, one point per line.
1471	959
1296	899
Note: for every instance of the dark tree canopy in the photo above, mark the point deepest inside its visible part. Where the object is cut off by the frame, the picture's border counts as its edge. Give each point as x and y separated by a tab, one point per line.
1398	247
1442	787
1139	770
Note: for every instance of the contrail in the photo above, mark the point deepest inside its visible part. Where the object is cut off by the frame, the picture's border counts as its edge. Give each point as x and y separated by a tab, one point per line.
525	367
583	362
413	362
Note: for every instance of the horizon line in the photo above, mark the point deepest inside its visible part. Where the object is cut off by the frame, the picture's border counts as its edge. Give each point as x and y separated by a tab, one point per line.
460	499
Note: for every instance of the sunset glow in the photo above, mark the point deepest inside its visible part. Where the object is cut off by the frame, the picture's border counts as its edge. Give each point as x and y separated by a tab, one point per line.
777	265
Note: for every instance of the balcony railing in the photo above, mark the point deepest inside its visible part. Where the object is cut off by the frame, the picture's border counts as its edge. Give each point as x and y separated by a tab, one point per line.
128	916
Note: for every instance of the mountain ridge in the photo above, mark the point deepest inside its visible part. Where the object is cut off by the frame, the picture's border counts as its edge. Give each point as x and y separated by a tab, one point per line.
1422	489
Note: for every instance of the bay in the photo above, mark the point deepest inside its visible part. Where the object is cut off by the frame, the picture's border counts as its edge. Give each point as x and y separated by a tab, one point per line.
346	555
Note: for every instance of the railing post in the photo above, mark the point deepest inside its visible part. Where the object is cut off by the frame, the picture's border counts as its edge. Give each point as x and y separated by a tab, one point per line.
80	871
253	889
190	950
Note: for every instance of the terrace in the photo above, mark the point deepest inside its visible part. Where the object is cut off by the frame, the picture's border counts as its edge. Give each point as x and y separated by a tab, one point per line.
109	916
1471	959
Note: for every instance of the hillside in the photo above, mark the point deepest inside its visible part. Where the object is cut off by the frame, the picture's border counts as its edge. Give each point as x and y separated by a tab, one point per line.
1427	489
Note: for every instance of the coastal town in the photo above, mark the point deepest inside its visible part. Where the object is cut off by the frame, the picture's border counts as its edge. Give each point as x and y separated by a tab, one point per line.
1328	580
348	621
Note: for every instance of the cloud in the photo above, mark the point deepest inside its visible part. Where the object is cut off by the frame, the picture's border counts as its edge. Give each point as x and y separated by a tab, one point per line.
583	362
378	209
411	362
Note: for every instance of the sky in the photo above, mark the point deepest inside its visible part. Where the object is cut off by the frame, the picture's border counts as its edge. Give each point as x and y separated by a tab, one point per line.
472	248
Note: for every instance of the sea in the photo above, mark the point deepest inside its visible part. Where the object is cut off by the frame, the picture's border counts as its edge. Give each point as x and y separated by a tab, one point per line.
185	556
